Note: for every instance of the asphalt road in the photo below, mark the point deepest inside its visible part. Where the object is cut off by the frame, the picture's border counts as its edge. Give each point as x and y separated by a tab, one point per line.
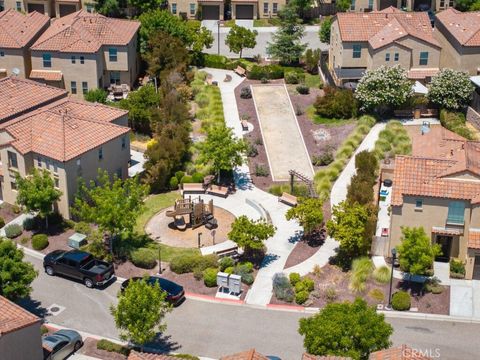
211	329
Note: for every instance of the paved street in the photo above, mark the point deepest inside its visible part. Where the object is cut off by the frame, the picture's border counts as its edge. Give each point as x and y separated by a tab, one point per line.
211	329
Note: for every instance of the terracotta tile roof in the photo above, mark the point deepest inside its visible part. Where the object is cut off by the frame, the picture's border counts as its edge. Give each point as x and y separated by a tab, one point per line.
251	354
135	355
18	30
464	26
421	73
88	110
328	357
47	75
13	317
446	231
390	9
474	239
382	28
86	32
18	96
398	353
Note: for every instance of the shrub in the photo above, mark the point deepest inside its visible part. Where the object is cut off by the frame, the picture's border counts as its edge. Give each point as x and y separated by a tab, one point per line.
24	240
282	288
43	330
264	80
247	279
252	150
202	100
261	170
246	93
39	241
229	270
331	294
401	301
303	89
13	230
186	179
197	178
210	277
187	263
317	270
246	266
197	274
143	258
258	141
173	183
377	295
216	61
456	122
275	71
16	209
112	347
433	285
336	103
225	263
457	267
294	278
2	222
323	160
301	297
361	270
28	224
382	274
291	77
83	228
179	175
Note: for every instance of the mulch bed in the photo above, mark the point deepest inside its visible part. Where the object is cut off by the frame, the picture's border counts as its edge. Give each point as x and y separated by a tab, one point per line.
304	249
332	279
89	348
6	212
126	270
57	238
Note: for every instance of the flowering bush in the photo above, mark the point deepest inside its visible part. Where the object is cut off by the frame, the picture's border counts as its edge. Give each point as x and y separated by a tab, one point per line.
451	89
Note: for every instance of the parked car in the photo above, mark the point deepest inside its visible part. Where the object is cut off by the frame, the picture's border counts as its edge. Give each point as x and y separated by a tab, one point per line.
61	344
175	292
78	265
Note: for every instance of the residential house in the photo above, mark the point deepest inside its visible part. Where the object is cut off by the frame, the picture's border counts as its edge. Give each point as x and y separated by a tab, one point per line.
438	188
459	36
20	337
404	352
407	5
42	127
365	41
50	8
18	33
84	51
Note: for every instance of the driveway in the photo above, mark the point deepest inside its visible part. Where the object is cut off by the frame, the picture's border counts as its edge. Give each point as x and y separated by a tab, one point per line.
211	25
245	23
286	149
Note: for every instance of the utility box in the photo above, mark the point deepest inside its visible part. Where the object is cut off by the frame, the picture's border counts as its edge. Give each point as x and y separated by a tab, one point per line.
222	280
77	240
235	284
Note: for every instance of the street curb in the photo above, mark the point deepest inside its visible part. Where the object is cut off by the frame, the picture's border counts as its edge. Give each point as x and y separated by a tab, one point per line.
33	253
212	299
424	316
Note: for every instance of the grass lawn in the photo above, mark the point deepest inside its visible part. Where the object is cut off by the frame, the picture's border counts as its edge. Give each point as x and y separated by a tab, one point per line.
153	205
169	252
266	22
312	81
229	23
325	121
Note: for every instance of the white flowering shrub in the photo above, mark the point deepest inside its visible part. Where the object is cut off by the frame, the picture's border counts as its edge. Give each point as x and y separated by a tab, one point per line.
451	89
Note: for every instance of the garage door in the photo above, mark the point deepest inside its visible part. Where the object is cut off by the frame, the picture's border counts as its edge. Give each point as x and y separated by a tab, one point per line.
36	7
211	12
244	12
67	9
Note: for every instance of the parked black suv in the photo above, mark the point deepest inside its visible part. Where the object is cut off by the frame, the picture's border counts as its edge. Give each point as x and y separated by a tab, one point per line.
78	265
175	292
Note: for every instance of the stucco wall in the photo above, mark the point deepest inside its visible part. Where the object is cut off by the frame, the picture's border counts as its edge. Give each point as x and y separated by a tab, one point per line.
22	344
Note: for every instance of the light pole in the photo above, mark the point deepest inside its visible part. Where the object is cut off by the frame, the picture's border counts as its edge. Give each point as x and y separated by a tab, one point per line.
394	257
159	255
199	236
218	37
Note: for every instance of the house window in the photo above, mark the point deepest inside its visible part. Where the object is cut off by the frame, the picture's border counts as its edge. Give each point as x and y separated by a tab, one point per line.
2	54
84	87
12	160
423	58
456	211
174	9
124	142
79	162
370	4
352	6
275	8
265	7
39	162
19	5
451	3
73	87
55	167
115	77
112	54
357	51
57	182
387	56
396	56
2	5
82	59
74	59
419	204
442	4
192	9
90	8
47	60
100	154
13	185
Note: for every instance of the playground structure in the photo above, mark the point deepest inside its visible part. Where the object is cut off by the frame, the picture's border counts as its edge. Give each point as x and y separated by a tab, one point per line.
307	181
198	212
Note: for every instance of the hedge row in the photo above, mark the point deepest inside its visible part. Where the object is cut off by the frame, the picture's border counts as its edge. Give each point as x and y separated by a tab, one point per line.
393	140
456	122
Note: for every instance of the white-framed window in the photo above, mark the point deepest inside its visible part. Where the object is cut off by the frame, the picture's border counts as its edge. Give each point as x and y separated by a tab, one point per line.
47	60
2	5
90	8
13	185
418	204
112	54
84	87
274	8
265	7
73	87
39	162
423	58
192	9
174	8
18	5
357	51
387	56
57	182
12	160
352	5
74	59
396	57
82	59
115	77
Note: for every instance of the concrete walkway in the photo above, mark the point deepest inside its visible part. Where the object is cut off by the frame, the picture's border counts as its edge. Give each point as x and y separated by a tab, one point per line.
18	220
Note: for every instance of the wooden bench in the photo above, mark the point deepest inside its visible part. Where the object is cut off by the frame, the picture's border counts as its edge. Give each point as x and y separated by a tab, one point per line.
403	113
428	113
233	252
240	71
193	188
288	199
244	125
218	190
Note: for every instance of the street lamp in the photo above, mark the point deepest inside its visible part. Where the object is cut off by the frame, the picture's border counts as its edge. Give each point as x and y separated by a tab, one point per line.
199	235
394	257
218	36
159	255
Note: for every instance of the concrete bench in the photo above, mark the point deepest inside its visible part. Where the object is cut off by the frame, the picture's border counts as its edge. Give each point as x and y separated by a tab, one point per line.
193	188
218	190
240	71
288	199
225	248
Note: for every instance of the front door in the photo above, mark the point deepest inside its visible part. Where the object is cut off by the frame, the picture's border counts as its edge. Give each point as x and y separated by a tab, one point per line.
476	268
445	243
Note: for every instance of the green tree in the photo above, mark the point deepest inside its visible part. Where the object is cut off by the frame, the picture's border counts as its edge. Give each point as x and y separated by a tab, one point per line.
96	96
312	59
366	164
250	234
140	312
200	36
287	46
349	227
416	253
451	89
144	5
240	38
324	31
308	213
112	205
346	329
383	88
16	275
467	5
108	7
222	149
37	192
360	189
343	5
301	6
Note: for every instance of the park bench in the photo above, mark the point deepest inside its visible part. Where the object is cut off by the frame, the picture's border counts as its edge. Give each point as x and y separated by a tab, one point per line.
429	113
193	188
240	71
403	113
218	190
288	199
226	248
244	125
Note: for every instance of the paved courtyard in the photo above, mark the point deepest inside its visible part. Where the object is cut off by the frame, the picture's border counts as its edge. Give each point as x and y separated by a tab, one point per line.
281	134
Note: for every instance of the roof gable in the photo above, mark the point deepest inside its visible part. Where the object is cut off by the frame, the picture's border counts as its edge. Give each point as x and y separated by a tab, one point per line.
13	317
464	27
17	30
